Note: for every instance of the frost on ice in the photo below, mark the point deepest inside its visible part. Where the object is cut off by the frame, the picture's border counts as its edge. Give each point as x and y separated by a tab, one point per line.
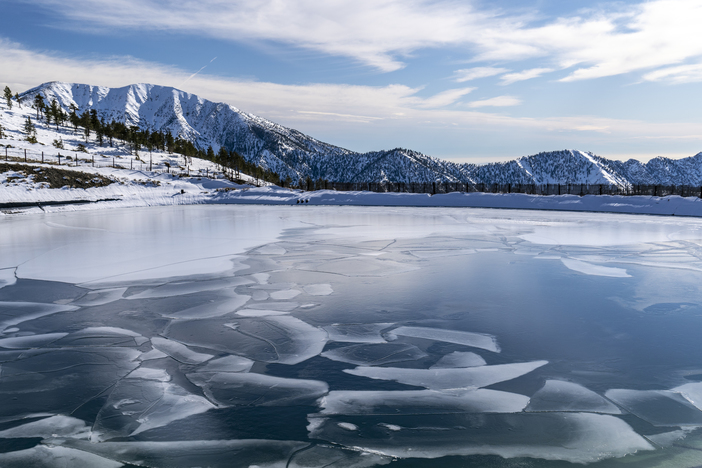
179	351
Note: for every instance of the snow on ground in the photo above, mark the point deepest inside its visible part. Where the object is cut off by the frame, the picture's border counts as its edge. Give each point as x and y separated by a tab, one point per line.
159	178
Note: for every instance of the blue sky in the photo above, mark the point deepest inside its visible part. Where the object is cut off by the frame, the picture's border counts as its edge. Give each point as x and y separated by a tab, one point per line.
468	81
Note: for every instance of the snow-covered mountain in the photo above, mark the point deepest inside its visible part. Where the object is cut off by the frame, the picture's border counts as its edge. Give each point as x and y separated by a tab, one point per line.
292	153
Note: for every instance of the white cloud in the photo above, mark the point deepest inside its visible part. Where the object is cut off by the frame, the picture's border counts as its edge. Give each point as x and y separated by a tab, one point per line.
510	78
680	74
603	41
499	101
468	74
353	116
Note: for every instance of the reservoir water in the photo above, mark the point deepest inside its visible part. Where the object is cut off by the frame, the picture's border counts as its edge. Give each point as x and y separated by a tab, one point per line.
306	336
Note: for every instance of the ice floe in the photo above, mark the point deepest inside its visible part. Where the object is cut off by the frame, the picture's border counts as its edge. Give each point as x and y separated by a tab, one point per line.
459	359
148	373
317	456
658	407
357	332
43	456
137	405
7	277
435	379
318	289
191	287
228	364
398	402
179	351
53	426
573	437
14	313
692	392
284	295
235	389
558	395
375	354
474	340
100	297
102	336
191	453
212	308
595	270
259	313
279	339
30	341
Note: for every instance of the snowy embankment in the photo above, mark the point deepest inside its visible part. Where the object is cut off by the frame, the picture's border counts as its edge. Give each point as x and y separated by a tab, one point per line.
146	189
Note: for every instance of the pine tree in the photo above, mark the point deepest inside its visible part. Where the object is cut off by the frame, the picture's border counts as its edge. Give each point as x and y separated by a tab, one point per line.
30	130
8	97
39	104
2	134
18	99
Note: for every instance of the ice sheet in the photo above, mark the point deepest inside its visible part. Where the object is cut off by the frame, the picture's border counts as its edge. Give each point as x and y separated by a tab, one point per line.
595	270
422	402
137	405
102	336
30	341
573	437
7	277
228	364
236	389
692	392
212	308
53	426
283	339
474	340
181	288
436	379
559	395
192	453
459	359
14	313
375	354
659	407
335	457
43	456
318	289
179	351
357	332
148	373
284	295
259	313
100	297
270	249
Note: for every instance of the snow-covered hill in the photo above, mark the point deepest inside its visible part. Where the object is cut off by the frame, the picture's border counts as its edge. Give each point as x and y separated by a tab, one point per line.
294	154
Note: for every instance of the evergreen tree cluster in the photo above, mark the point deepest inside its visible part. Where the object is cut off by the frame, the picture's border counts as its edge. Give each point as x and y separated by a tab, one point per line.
138	139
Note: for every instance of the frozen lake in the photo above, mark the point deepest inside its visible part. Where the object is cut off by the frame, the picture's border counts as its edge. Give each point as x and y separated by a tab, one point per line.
306	336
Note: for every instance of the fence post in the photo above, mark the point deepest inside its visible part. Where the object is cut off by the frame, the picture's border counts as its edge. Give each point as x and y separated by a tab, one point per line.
42	157
93	159
59	157
25	155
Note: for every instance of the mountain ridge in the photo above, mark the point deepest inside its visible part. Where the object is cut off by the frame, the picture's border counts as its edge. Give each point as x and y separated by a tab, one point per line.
294	154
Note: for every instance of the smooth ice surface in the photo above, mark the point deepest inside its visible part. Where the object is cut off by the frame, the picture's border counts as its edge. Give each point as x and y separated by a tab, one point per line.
192	453
375	354
559	395
422	402
181	288
14	313
102	336
284	295
7	277
215	308
474	340
53	426
179	351
318	289
234	389
666	439
283	339
692	392
573	437
335	457
471	377
596	270
459	359
357	332
659	407
259	312
31	341
228	364
43	456
100	297
148	373
136	405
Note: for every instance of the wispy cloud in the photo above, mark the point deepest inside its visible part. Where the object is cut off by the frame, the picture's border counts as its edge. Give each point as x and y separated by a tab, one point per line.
510	78
468	74
602	41
499	101
444	98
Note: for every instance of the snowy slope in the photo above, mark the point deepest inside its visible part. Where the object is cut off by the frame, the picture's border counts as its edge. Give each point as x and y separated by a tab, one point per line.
294	154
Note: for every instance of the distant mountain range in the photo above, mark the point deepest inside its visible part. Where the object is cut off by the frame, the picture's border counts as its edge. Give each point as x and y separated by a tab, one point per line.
292	153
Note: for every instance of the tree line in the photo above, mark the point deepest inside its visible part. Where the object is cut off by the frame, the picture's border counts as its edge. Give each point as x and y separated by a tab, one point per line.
135	138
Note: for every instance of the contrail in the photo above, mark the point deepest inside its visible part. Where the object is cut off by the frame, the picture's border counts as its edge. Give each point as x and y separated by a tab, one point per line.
197	72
